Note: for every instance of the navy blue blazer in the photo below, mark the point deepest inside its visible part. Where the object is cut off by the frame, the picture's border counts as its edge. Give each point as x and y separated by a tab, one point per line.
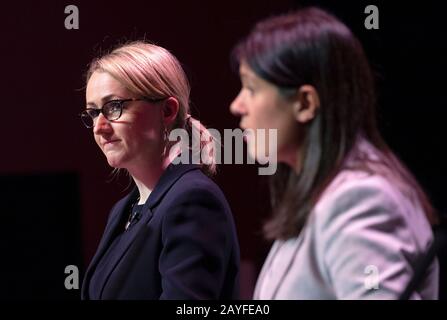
184	246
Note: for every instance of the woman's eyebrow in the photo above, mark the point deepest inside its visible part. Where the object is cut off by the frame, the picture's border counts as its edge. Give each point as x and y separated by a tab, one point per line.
105	99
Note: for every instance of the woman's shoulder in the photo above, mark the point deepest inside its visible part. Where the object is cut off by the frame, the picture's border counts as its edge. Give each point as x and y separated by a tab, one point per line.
367	173
197	180
350	186
356	196
196	186
196	198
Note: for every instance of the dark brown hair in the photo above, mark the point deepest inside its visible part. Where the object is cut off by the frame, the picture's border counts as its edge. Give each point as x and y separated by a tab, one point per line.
310	46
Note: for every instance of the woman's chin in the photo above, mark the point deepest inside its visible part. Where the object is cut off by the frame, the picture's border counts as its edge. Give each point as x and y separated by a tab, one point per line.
114	162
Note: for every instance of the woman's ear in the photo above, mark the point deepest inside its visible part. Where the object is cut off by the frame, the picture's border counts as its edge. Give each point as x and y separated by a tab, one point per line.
170	110
306	104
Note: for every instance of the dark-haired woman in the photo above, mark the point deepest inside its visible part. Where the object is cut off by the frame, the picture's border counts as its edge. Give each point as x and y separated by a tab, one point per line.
350	221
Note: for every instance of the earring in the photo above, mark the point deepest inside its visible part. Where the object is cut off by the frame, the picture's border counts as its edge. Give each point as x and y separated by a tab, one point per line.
166	141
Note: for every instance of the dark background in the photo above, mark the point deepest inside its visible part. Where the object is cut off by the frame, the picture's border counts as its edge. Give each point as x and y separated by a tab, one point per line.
56	190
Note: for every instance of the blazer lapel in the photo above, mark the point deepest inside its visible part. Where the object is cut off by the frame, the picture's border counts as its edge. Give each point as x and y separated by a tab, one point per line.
166	181
277	267
107	238
265	269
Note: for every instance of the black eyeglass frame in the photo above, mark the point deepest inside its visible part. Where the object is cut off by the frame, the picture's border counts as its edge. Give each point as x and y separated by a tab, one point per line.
121	102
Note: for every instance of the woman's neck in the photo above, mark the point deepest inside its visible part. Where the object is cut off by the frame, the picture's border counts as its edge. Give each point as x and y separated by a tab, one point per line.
146	176
144	191
293	159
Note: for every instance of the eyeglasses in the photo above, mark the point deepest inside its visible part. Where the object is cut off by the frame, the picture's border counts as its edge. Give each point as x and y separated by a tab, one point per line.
112	110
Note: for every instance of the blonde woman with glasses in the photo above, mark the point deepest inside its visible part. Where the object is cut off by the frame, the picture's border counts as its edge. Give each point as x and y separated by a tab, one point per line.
173	236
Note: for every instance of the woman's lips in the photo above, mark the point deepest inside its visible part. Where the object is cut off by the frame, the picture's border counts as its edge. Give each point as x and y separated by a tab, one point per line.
109	143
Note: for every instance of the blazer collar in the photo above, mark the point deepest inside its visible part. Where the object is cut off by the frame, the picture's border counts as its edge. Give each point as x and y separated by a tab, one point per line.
172	173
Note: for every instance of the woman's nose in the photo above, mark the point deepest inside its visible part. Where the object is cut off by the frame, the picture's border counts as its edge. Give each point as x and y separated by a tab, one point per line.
101	124
237	107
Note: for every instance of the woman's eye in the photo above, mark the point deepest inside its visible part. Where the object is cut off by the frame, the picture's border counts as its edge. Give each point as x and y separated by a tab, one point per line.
249	89
93	113
115	106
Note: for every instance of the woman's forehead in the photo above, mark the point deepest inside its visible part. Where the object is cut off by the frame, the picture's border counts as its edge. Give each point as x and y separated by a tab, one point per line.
101	87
